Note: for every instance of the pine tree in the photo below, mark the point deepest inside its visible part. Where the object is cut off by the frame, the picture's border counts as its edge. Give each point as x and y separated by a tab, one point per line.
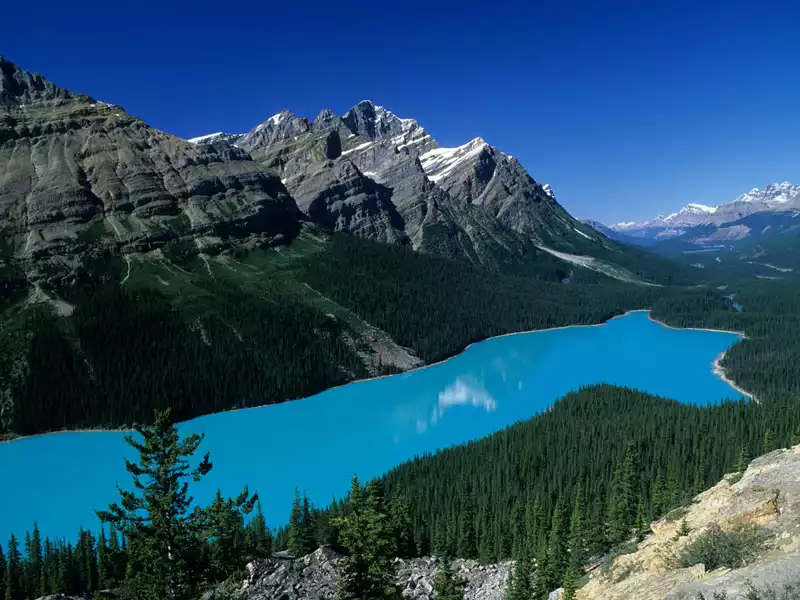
35	561
164	537
577	536
402	527
743	460
569	585
520	586
769	440
259	535
557	546
684	530
447	585
104	578
659	505
467	538
301	527
541	577
368	569
642	522
14	582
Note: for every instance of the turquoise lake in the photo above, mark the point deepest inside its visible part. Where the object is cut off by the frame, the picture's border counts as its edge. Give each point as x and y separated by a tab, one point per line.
318	443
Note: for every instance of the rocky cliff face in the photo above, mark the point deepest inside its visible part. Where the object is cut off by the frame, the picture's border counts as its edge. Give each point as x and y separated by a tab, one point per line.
82	176
768	495
85	180
375	174
315	577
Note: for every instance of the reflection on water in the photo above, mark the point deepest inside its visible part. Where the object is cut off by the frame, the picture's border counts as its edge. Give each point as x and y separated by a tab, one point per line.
318	443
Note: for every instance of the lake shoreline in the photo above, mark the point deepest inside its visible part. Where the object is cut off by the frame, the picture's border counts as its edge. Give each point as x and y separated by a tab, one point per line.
718	370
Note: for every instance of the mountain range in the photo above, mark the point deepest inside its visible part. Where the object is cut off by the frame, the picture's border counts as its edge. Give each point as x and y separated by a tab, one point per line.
139	270
781	199
84	177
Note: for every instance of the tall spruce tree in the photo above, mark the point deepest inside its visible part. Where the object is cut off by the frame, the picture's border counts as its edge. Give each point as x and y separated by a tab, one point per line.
520	586
164	536
577	536
467	537
14	577
302	539
368	570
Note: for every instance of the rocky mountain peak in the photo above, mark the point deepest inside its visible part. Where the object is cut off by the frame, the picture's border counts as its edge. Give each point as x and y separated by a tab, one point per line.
281	126
18	86
327	120
373	122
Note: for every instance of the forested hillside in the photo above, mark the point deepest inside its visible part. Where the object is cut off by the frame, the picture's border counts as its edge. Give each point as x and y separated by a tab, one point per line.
207	333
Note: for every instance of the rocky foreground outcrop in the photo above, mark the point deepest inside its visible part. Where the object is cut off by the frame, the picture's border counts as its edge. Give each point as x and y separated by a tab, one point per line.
314	577
767	495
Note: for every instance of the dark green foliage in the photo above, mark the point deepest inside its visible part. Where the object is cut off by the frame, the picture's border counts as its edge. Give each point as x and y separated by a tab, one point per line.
410	296
165	537
448	585
136	353
732	549
368	570
301	531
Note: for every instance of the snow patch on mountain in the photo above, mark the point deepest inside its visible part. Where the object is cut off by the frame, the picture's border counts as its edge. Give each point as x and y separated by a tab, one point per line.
440	162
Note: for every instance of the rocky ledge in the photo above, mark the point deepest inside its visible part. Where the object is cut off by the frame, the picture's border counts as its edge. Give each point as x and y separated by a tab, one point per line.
314	577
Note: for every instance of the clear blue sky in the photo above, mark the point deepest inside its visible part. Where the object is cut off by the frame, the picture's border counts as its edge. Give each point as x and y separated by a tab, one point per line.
627	108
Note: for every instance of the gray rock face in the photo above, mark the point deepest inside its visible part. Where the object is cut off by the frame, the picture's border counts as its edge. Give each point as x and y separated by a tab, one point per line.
83	174
21	87
315	577
470	202
339	197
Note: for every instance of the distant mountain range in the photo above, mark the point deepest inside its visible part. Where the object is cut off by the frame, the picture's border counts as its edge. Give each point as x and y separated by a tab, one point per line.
776	198
759	230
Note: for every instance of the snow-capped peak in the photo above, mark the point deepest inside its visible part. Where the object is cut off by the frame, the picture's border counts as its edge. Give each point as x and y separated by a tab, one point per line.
775	197
440	162
276	119
700	208
547	189
219	136
774	193
205	138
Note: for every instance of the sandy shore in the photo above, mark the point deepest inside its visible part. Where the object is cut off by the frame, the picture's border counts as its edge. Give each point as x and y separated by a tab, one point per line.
718	370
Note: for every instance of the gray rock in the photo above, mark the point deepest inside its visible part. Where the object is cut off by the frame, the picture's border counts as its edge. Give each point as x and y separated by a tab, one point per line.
315	577
82	174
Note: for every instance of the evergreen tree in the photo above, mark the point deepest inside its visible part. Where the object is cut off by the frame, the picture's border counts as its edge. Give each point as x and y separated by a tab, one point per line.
743	460
542	580
520	586
164	537
402	527
260	538
569	585
14	585
769	440
368	569
301	527
35	560
447	585
642	522
467	538
557	546
577	536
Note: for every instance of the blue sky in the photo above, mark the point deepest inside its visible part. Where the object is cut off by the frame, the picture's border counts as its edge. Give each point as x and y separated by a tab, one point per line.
628	109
